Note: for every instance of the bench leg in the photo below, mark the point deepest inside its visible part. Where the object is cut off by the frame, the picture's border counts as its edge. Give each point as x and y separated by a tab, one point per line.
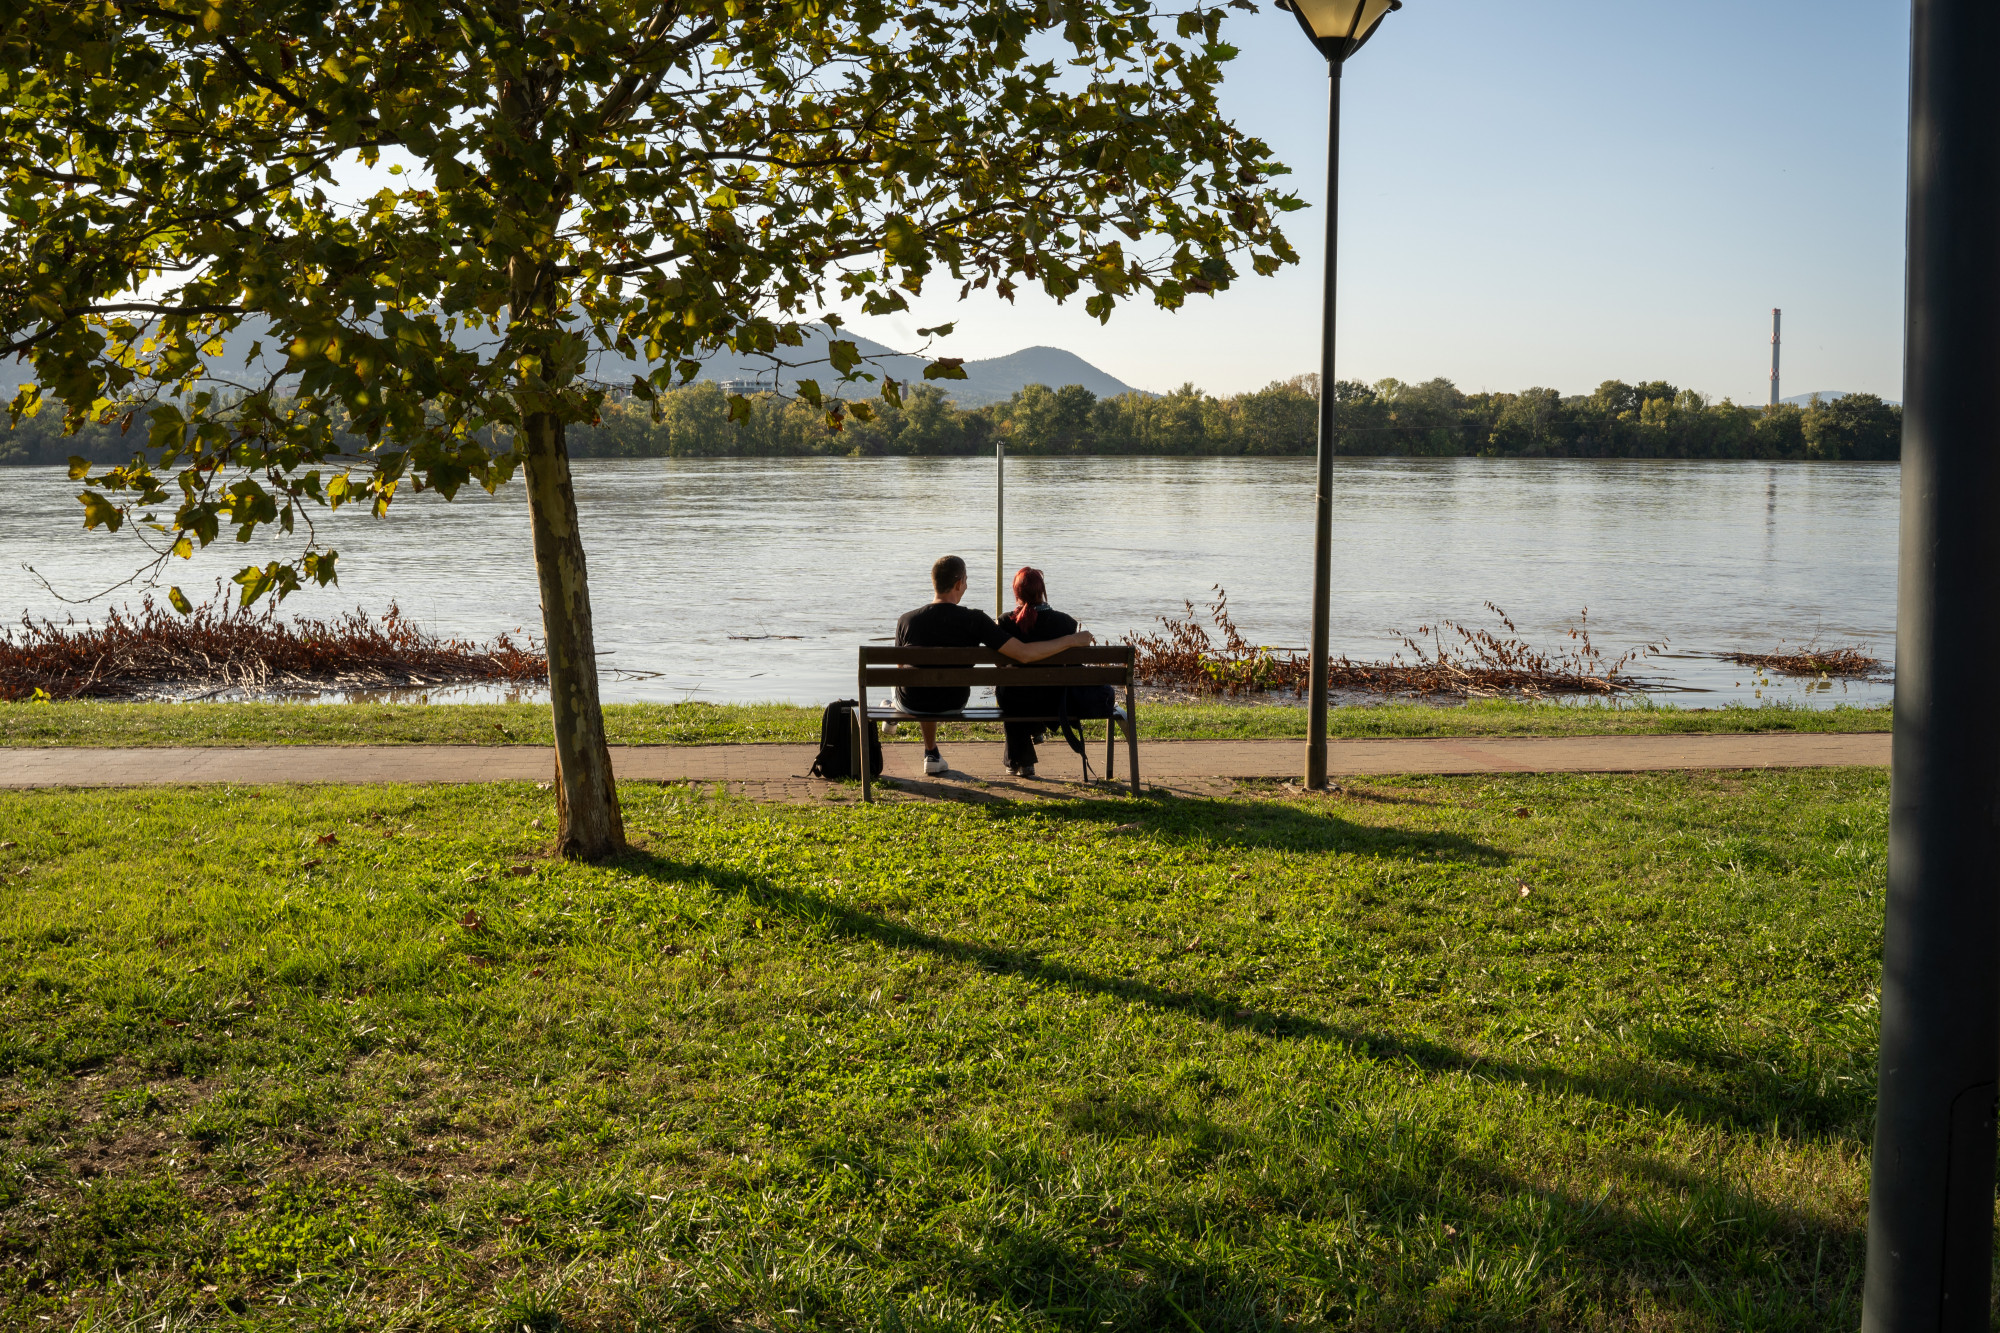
1132	735
861	748
1111	749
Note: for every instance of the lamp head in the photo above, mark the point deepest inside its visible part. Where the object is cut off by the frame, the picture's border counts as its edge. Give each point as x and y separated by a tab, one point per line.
1339	27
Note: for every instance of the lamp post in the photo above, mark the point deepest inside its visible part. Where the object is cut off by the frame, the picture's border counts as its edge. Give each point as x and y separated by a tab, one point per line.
1930	1196
1337	29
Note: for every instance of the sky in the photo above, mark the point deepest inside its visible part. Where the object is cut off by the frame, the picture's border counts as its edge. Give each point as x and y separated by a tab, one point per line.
1550	194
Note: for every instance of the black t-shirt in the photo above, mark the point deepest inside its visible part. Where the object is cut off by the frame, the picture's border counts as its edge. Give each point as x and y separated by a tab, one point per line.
1049	624
949	625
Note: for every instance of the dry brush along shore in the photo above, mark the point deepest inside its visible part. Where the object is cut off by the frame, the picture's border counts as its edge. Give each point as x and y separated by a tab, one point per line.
1846	663
215	649
1445	659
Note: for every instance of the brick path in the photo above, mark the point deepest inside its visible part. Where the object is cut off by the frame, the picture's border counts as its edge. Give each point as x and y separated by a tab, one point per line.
777	772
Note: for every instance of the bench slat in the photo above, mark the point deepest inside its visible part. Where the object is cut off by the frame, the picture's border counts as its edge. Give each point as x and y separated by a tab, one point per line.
1022	676
976	715
1116	653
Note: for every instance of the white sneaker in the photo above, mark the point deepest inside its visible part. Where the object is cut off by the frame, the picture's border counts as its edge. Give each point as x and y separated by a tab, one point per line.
934	764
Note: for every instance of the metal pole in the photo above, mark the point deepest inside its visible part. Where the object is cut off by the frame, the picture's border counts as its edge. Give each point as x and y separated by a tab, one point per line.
1322	630
999	529
1930	1208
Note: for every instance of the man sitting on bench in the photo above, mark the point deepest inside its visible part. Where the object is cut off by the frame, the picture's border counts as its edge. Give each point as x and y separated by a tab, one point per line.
943	623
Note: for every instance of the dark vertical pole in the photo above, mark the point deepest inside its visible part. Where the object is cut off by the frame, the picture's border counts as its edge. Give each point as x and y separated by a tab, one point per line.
999	528
1322	630
1930	1213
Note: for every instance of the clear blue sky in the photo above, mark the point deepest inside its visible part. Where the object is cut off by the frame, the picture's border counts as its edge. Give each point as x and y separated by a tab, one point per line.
1555	194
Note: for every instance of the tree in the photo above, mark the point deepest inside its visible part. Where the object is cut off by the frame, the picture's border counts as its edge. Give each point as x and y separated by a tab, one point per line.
929	424
659	178
1042	420
1853	426
1421	419
1280	418
1780	432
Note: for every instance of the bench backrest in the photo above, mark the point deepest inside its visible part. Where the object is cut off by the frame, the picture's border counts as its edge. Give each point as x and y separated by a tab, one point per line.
1097	665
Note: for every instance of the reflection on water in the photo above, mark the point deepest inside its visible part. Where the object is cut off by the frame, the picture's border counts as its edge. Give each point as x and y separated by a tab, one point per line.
756	579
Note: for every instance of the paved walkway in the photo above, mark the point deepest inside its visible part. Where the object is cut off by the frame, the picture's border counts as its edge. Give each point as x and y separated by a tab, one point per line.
778	772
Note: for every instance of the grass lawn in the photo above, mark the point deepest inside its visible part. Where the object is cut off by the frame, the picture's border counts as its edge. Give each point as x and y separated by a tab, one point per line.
1516	1052
714	724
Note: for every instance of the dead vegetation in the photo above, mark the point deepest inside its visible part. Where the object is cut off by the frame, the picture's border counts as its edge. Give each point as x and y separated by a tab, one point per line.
1847	663
1444	659
153	651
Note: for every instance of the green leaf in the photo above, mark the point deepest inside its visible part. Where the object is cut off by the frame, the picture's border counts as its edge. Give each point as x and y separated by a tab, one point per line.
946	368
902	241
100	512
180	602
255	582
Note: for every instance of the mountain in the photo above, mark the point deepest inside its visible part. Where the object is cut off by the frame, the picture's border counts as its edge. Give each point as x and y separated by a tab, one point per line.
992	380
998	378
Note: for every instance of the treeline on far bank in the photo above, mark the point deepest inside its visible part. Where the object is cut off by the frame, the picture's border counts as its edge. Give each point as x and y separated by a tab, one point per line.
1386	419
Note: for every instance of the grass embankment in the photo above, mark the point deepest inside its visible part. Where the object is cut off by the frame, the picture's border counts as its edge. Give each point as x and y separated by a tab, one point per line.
720	724
1512	1052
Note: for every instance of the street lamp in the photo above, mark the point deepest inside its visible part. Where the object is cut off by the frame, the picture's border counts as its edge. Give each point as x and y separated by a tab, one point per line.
1337	29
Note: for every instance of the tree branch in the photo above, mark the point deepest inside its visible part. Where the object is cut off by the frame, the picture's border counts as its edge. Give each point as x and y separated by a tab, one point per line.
19	345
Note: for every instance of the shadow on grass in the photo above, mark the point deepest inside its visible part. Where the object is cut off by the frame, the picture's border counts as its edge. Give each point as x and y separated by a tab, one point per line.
1477	1242
1752	1094
1341	1220
1254	825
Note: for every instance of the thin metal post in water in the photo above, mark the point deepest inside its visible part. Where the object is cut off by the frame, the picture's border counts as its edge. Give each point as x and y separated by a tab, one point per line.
1322	630
1930	1207
999	529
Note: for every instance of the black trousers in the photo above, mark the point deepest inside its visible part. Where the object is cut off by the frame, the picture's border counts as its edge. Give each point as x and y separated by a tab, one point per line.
1035	701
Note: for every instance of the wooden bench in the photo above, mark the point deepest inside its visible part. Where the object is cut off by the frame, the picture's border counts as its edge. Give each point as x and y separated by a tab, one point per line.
907	667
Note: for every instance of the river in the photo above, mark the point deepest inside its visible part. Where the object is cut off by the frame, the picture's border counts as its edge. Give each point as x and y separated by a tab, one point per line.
754	579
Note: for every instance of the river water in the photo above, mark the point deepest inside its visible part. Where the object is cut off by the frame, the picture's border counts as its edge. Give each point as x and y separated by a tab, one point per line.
755	579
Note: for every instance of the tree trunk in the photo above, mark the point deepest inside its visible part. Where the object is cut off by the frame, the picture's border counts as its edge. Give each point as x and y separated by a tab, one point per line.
591	825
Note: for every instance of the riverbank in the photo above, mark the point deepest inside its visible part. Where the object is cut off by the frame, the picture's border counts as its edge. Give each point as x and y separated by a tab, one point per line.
145	724
1510	1052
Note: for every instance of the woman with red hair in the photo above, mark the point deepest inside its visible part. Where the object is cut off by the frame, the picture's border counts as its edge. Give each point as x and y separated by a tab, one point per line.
1032	620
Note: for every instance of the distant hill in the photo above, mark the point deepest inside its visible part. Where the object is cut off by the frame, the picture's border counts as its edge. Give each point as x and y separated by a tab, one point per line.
1825	396
1000	378
993	380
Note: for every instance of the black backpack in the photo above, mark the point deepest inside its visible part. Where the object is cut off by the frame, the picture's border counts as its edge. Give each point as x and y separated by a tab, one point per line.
1080	702
836	744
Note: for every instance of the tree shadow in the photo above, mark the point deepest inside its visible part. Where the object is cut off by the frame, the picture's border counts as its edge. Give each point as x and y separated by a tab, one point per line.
1755	1093
1279	789
1259	825
1477	1241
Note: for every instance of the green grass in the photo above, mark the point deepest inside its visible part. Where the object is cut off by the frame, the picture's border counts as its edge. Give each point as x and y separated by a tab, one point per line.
1512	1052
716	724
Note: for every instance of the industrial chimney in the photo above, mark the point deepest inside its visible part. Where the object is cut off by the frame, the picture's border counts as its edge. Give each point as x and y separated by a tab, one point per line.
1775	314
